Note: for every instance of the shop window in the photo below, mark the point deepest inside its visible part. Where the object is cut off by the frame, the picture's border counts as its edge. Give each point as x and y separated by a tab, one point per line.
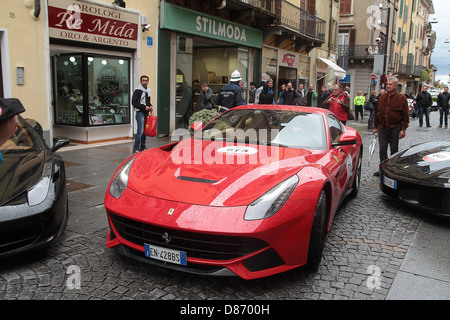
91	90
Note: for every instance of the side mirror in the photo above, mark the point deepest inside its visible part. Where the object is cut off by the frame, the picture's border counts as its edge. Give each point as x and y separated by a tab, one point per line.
59	144
196	126
346	139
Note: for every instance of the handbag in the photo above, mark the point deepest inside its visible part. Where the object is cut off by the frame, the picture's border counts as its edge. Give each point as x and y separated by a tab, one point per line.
350	115
150	125
368	106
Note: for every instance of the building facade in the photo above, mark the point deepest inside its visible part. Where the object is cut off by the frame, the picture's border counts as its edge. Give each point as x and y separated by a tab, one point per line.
74	64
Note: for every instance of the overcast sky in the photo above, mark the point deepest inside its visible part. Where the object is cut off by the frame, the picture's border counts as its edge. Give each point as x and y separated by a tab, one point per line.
441	55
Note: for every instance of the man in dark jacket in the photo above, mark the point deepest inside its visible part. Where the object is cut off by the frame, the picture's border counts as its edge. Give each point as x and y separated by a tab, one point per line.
391	119
205	97
442	103
424	103
141	103
300	96
288	95
323	96
230	95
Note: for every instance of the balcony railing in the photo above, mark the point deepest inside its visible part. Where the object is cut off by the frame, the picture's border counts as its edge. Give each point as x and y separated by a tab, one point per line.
267	5
301	21
410	70
360	51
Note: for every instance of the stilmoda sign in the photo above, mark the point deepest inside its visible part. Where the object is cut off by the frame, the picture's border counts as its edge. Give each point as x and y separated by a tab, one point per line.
192	22
98	24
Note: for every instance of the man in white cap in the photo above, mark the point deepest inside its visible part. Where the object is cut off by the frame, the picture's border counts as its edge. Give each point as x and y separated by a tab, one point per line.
230	95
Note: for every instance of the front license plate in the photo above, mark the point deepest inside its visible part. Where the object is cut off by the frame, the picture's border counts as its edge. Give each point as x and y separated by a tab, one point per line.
164	254
391	183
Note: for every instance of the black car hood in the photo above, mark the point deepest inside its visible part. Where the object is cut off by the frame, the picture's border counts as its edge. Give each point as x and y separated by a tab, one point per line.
425	162
19	172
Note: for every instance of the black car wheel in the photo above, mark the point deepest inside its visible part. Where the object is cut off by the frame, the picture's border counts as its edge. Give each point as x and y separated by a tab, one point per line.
318	233
357	180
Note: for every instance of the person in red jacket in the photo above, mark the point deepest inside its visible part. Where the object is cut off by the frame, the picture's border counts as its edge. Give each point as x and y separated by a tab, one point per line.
339	103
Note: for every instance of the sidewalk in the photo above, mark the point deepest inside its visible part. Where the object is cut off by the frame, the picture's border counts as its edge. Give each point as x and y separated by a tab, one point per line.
425	271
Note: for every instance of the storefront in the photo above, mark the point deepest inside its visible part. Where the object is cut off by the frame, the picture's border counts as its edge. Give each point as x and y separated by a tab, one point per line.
91	49
195	48
284	66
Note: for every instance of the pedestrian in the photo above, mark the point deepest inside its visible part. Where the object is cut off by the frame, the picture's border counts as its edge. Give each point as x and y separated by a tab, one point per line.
339	103
373	100
424	102
322	97
205	97
289	95
9	109
391	119
266	96
300	96
251	94
142	105
270	89
442	102
359	102
280	98
311	96
230	95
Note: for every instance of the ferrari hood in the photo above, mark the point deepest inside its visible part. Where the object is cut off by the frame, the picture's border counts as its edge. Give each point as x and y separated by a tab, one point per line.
425	162
215	173
18	173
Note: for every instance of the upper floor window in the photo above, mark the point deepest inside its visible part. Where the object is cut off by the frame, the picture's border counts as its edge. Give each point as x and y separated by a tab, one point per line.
346	7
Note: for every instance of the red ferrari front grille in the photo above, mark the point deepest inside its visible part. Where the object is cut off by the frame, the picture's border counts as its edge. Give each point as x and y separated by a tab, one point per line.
196	245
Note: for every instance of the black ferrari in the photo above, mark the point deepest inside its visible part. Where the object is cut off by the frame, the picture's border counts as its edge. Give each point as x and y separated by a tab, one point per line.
420	177
33	195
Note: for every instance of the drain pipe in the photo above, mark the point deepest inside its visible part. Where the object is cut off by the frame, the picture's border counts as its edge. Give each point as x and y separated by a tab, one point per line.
37	8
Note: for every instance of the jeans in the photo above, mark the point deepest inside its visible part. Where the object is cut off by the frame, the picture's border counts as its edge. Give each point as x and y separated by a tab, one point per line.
426	112
371	118
443	114
388	137
139	140
358	109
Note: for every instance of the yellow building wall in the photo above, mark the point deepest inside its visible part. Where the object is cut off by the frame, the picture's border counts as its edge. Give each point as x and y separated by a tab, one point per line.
25	47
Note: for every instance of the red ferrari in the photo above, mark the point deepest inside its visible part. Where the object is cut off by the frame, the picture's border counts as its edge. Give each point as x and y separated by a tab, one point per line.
253	193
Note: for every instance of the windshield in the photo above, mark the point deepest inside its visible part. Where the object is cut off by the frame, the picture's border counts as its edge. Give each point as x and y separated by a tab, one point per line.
285	128
22	140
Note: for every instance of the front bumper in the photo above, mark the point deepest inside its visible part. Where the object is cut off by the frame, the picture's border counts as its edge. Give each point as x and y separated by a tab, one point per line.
429	199
217	240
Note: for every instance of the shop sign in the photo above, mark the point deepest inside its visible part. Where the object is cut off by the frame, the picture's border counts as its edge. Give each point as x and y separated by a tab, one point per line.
288	59
85	22
196	23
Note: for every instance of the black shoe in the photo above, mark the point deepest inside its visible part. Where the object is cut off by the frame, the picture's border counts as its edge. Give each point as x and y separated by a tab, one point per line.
135	151
376	174
428	126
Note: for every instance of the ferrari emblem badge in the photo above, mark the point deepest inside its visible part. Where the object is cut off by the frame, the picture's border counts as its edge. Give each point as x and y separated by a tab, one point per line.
170	212
166	238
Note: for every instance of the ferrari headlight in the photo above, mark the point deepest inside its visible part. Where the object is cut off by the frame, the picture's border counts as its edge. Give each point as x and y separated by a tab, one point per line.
272	201
38	192
120	180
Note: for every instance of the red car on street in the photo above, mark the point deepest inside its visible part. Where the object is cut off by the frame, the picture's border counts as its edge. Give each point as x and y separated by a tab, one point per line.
253	193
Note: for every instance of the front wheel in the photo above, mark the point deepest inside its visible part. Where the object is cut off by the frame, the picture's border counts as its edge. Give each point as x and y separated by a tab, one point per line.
357	180
318	233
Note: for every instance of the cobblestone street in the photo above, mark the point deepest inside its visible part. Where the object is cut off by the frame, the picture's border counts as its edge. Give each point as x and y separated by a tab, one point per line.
370	240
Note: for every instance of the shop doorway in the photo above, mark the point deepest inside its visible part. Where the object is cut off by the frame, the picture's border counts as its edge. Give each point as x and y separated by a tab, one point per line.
204	60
